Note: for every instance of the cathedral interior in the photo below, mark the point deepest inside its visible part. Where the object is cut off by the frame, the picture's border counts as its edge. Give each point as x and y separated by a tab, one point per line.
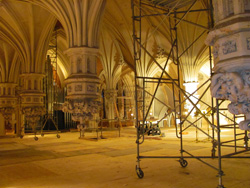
90	86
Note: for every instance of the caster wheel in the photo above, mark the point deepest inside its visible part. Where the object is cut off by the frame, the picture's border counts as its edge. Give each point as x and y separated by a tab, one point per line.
139	172
21	136
35	138
183	163
220	186
58	136
159	132
42	134
153	132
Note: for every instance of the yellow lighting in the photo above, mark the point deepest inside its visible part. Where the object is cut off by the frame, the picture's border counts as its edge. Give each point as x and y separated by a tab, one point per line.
178	121
206	69
62	67
238	120
204	111
191	88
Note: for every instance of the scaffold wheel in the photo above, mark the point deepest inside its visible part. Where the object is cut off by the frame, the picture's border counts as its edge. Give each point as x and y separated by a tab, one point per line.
42	134
220	186
35	138
139	172
183	163
58	136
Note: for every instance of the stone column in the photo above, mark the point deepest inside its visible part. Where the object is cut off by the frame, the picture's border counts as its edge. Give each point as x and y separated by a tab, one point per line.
32	98
8	102
121	108
82	99
2	125
230	39
110	98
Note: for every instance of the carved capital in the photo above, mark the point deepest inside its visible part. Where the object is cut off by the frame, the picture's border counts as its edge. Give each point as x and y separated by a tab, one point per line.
81	110
33	114
161	53
233	86
7	113
110	95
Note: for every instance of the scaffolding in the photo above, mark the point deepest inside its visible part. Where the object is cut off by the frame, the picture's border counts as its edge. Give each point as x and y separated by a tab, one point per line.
144	99
50	88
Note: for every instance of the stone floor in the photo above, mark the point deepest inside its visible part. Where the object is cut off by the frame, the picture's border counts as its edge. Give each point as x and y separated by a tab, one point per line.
70	162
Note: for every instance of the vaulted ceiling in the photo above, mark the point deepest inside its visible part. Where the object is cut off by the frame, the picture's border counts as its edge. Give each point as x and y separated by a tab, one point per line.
27	27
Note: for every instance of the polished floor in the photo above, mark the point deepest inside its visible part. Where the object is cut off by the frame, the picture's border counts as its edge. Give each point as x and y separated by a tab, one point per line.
70	162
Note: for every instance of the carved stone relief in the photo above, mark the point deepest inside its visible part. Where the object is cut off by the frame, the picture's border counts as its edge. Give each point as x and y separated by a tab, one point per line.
248	43
216	51
229	47
69	89
235	87
78	88
7	113
81	110
90	88
33	114
161	53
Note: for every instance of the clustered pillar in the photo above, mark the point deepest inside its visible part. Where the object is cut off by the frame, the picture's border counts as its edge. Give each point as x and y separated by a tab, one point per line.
8	103
82	99
32	98
230	39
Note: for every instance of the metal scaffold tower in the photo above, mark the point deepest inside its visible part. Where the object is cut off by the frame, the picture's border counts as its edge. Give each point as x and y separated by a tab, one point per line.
50	88
215	111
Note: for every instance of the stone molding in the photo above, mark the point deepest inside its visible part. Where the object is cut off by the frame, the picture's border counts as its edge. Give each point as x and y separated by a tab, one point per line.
74	51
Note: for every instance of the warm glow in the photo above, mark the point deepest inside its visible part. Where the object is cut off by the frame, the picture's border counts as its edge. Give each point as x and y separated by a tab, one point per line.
206	69
238	120
191	87
204	111
59	64
178	121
